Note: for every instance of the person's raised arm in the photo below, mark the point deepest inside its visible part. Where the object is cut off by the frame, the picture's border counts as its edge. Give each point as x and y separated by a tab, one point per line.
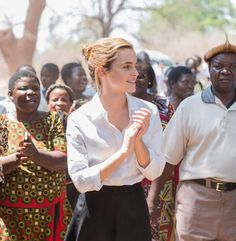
51	160
149	157
114	161
87	177
143	118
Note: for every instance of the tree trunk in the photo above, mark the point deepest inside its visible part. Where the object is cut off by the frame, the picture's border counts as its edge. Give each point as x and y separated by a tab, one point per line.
20	51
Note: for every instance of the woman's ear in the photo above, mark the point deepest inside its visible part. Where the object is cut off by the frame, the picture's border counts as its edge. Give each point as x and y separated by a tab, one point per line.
10	95
101	71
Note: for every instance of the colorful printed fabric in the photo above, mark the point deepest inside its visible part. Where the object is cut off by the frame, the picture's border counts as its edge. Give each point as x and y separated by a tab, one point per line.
81	101
34	206
162	228
4	235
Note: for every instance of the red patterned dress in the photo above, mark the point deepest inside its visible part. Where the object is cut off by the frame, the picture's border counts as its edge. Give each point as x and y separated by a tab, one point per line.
162	229
33	205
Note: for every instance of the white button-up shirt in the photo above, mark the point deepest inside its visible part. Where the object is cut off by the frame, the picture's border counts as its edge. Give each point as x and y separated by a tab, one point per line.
91	139
202	134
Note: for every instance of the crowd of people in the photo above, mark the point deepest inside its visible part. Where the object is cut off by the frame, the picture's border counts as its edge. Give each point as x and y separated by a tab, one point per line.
119	159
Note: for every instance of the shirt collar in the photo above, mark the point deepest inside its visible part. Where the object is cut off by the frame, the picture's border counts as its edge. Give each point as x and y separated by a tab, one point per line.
208	96
97	108
101	112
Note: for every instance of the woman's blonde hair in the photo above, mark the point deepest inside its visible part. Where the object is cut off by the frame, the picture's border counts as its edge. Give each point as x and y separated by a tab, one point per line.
103	53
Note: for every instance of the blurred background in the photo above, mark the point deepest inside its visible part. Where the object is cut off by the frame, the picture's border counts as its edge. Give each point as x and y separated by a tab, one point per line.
41	31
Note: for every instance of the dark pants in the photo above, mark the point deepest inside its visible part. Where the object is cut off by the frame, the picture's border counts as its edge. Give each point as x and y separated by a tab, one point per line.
72	195
111	214
72	192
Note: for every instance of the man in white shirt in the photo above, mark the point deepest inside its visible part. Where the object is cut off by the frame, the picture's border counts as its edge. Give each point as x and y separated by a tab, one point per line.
201	134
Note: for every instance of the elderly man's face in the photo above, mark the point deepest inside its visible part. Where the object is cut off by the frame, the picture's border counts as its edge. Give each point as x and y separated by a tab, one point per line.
223	72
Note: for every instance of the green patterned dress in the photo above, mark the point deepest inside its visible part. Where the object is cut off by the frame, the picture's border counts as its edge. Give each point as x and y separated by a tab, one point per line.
33	205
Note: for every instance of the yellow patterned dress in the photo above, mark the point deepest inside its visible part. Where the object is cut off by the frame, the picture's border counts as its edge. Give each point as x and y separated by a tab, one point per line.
162	229
33	205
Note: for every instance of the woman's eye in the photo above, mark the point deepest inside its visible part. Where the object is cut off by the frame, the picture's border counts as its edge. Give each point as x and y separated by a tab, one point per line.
217	67
141	77
22	88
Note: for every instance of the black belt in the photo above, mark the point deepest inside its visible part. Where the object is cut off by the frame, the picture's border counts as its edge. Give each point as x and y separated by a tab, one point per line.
218	186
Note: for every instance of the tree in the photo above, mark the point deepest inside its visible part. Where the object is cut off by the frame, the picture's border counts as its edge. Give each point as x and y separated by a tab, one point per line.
99	18
184	27
196	15
18	51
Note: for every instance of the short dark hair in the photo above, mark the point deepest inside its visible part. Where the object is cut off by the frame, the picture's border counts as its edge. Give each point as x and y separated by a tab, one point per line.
60	86
66	70
53	69
27	67
18	75
143	56
176	72
146	67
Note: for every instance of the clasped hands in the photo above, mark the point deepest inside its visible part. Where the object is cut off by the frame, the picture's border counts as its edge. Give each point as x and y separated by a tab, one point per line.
26	151
138	127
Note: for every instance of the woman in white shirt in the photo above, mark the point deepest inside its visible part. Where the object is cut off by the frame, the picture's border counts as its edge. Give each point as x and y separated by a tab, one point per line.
113	143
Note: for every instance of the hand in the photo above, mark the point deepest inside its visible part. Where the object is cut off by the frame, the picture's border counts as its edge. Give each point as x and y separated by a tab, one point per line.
130	134
142	117
26	151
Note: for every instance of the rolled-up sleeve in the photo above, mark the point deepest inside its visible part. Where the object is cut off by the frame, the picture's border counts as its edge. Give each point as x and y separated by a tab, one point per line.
84	177
153	141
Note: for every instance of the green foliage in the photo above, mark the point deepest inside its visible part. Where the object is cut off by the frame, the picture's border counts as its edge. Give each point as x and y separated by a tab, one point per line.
196	15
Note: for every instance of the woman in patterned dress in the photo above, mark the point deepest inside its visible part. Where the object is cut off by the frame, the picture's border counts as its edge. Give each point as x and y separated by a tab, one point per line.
60	98
181	85
3	231
161	228
33	203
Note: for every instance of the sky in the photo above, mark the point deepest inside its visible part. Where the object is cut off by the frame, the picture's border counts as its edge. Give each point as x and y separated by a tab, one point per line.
15	10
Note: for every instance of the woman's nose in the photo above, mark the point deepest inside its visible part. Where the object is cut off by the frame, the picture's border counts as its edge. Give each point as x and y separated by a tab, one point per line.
136	73
60	103
31	92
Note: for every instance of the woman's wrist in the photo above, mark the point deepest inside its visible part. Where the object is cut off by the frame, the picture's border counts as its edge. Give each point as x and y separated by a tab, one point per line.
37	156
138	141
123	152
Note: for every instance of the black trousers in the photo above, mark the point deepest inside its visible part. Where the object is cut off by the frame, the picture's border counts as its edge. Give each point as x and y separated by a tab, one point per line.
72	194
111	214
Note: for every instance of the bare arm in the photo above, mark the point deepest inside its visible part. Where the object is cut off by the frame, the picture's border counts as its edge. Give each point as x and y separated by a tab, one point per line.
142	153
156	188
142	117
51	160
111	164
114	161
9	163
